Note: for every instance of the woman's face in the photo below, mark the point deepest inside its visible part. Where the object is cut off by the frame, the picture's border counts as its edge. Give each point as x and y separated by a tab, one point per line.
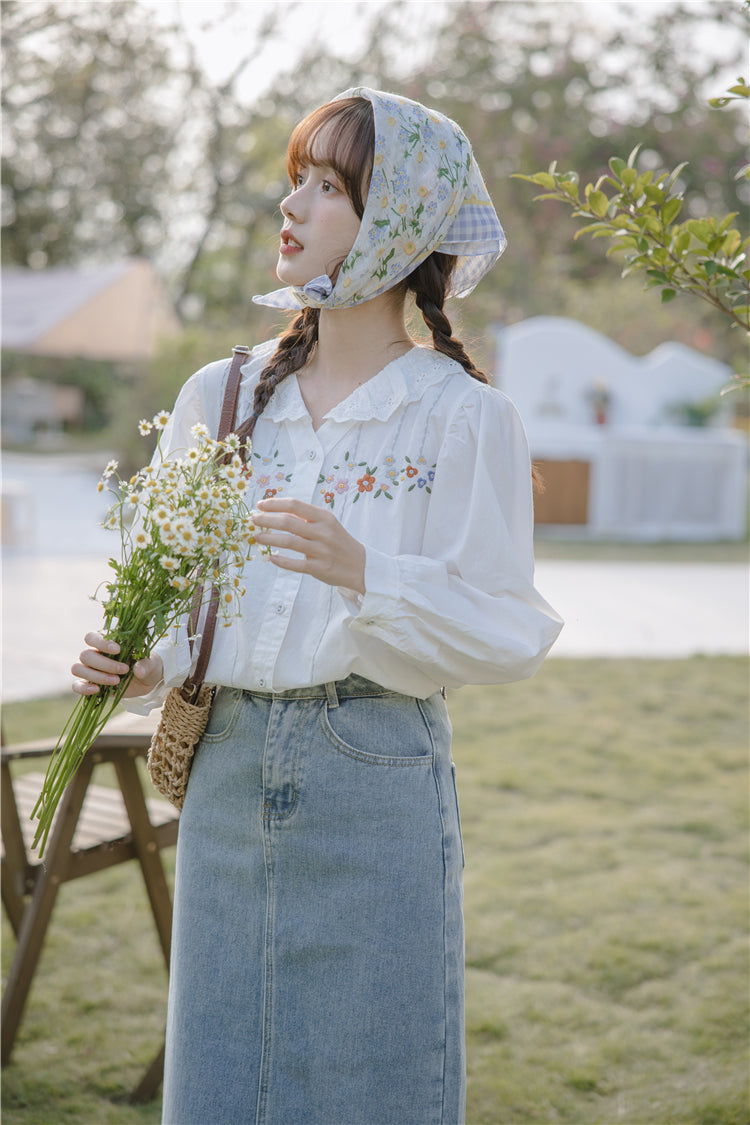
320	223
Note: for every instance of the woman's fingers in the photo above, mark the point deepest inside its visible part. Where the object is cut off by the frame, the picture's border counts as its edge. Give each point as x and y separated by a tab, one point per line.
94	665
149	670
331	554
102	643
98	667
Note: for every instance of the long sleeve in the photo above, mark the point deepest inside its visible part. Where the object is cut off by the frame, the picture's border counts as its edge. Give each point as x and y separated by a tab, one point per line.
465	609
426	467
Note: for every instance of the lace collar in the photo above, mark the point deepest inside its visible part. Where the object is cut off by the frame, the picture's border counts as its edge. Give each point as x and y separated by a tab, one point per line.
402	381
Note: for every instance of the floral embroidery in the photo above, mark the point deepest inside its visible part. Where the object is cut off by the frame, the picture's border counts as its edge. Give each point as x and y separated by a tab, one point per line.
273	478
371	480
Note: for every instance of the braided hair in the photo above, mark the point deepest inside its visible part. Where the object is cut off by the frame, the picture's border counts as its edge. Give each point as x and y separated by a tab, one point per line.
428	282
292	353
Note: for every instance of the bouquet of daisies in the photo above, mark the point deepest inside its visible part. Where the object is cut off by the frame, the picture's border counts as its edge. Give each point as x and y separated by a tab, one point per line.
183	522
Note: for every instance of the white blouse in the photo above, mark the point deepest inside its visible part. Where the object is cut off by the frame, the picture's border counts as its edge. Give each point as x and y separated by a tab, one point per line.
430	470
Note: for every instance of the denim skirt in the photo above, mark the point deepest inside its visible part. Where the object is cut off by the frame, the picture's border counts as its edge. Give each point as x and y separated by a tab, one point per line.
317	947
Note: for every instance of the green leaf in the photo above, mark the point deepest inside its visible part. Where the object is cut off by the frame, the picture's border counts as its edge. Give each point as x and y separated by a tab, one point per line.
674	174
670	211
727	271
543	179
617	165
598	203
731	243
725	222
633	155
629	176
621	244
570	187
592	227
681	243
668	295
700	229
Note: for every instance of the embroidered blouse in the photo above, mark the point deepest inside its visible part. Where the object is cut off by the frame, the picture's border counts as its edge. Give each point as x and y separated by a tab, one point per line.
430	470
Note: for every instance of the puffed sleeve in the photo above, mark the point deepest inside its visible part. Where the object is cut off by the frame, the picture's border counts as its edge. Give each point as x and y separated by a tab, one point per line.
466	609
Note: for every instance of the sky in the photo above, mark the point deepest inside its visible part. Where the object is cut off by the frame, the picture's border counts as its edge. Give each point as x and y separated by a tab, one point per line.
221	30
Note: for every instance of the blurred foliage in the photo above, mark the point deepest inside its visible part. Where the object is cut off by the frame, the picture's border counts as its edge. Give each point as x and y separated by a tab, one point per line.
156	389
96	378
117	142
637	211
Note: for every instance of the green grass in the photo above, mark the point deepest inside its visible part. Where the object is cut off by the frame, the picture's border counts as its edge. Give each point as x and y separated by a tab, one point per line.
550	546
604	810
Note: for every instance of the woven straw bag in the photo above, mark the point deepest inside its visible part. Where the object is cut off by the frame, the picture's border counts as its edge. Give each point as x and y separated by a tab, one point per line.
186	709
180	729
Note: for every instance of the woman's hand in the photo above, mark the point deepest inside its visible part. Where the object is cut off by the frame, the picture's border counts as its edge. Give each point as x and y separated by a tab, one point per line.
98	667
331	554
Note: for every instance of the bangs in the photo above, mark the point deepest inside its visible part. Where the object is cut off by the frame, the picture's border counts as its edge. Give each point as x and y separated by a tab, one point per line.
347	146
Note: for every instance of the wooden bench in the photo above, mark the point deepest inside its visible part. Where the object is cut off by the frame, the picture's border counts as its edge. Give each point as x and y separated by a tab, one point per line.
95	827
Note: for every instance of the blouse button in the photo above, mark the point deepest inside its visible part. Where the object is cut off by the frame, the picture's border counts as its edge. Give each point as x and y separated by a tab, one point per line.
280	607
311	454
261	682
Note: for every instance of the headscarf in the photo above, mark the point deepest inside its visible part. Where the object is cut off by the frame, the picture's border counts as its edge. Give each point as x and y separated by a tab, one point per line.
426	193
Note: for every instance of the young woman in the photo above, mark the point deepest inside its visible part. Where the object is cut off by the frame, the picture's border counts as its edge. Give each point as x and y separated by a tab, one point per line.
317	957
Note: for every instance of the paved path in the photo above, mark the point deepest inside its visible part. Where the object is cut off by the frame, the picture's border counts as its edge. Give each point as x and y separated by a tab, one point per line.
611	609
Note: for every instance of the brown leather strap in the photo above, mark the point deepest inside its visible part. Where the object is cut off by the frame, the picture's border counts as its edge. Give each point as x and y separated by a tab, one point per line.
226	422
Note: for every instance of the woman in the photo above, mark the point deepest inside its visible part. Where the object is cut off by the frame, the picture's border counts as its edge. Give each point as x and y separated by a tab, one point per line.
317	958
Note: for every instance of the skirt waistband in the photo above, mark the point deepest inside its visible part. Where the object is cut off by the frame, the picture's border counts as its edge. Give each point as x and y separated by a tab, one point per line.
350	688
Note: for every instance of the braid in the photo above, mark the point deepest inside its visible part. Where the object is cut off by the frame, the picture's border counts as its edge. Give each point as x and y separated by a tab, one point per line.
291	354
429	283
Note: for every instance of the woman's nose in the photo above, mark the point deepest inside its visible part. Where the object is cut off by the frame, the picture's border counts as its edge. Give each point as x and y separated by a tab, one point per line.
290	206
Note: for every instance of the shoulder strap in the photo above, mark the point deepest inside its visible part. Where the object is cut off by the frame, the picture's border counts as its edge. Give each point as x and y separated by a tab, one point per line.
226	423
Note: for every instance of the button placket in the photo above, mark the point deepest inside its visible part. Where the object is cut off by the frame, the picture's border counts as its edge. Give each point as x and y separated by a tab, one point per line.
276	621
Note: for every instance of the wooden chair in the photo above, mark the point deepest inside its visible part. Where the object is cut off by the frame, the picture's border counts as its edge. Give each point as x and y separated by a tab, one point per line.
95	827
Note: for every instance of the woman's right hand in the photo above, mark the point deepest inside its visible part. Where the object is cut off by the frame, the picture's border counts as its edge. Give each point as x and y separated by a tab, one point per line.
98	667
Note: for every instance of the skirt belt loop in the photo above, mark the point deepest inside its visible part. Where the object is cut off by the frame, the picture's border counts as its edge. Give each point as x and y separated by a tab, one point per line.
332	695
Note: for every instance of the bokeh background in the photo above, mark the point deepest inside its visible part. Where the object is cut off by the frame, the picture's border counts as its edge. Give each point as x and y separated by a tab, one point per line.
604	802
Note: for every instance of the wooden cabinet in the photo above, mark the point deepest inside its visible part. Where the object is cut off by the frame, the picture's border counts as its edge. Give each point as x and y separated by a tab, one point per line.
565	499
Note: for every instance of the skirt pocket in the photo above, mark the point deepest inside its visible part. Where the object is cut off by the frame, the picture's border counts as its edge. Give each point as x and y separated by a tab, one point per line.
223	715
381	731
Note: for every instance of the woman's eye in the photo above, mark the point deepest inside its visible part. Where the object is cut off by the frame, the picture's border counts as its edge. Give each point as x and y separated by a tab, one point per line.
327	186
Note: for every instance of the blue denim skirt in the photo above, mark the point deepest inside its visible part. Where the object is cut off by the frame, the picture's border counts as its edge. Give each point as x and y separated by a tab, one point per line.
317	948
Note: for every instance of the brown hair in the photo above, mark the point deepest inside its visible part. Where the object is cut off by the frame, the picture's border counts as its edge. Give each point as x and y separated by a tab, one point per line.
349	149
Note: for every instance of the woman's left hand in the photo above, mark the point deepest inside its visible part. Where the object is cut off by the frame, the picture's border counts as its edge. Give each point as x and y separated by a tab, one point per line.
331	554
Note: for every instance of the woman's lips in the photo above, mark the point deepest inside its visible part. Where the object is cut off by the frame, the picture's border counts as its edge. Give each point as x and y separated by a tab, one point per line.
289	244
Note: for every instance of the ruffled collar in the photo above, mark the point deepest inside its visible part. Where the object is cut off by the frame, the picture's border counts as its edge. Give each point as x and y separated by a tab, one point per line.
402	381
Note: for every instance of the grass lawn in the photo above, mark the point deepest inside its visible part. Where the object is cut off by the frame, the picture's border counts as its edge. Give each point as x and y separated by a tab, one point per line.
604	809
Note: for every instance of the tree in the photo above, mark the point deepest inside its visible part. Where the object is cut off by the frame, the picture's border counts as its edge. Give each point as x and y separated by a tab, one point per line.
90	101
158	159
637	210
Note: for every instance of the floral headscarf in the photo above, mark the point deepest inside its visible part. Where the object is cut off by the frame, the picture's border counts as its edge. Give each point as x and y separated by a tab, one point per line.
426	193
